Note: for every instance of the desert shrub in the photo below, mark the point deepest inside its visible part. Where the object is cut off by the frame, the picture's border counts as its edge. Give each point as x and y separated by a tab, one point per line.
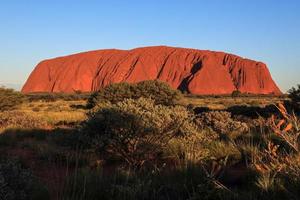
294	95
189	149
137	131
236	93
161	92
18	183
9	99
221	122
17	119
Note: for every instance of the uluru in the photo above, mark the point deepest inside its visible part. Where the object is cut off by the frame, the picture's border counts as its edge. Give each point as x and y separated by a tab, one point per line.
195	71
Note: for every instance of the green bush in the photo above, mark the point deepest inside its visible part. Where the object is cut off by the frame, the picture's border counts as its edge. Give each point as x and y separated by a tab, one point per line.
161	92
9	99
221	122
137	131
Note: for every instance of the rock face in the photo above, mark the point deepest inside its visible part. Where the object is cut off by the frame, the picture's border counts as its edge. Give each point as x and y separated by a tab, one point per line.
195	71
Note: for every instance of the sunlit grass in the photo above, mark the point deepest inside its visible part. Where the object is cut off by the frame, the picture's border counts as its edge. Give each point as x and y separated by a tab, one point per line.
219	103
58	112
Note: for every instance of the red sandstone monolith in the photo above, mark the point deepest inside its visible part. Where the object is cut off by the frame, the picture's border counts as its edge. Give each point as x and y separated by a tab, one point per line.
195	71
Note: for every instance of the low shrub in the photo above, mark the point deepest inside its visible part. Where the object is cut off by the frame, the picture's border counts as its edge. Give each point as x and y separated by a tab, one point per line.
17	119
10	99
137	131
161	92
236	93
221	122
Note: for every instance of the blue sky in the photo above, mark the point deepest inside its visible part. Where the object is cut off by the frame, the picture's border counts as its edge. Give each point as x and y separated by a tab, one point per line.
264	30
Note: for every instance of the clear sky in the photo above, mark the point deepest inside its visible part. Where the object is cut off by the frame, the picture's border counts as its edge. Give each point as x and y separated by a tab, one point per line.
264	30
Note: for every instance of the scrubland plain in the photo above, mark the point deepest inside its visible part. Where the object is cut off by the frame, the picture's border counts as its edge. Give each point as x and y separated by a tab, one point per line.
147	141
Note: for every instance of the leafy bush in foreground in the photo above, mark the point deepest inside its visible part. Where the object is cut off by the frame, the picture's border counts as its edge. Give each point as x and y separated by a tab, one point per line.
9	99
278	160
137	131
161	92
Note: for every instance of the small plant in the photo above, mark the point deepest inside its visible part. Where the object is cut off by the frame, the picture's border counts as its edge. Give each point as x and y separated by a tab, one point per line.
9	99
288	129
266	182
279	161
236	93
189	149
